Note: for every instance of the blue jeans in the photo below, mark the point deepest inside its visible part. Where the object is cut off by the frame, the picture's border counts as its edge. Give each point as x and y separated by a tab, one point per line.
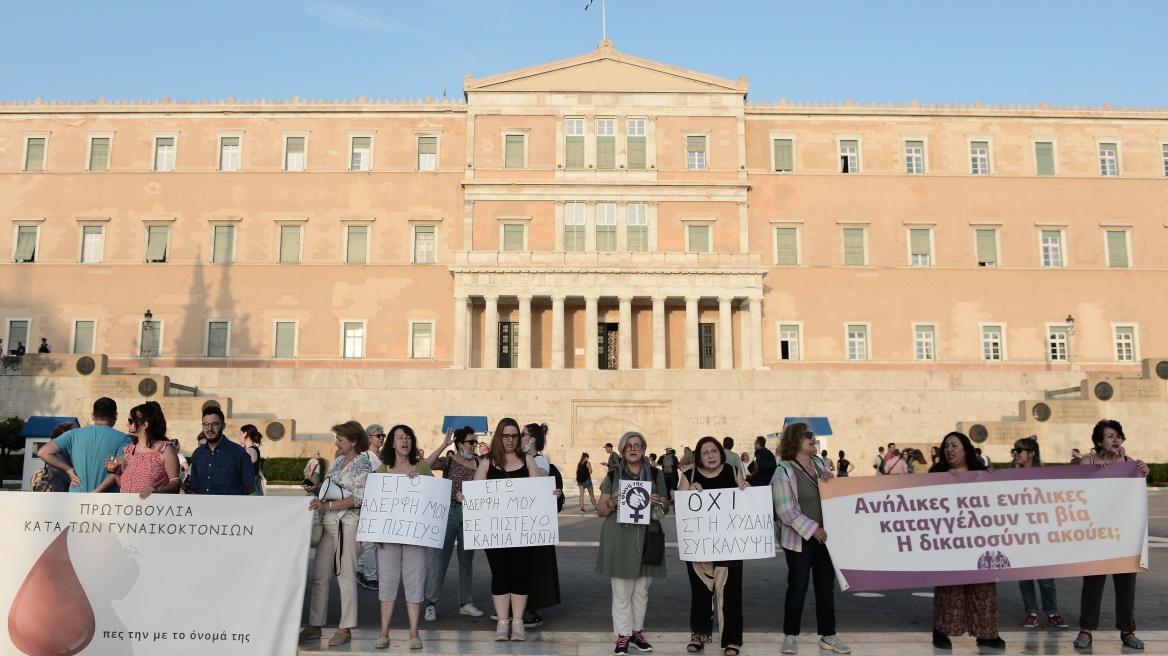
809	568
437	575
1049	596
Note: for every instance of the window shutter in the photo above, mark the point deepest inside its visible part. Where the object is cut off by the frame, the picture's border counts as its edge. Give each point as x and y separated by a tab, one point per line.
26	244
1117	249
91	243
217	339
919	241
637	153
285	339
512	237
289	244
424	245
1044	157
156	243
428	145
787	253
423	340
987	248
35	159
295	145
83	337
853	246
99	154
17	332
224	242
784	155
514	154
357	244
574	152
695	144
605	152
699	239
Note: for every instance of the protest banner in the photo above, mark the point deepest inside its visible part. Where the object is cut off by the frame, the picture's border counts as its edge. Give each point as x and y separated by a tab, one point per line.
403	510
509	512
114	574
634	502
728	524
888	532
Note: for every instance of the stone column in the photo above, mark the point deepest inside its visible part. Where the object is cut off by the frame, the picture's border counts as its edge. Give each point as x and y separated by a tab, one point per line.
725	334
625	334
756	332
591	347
524	331
744	339
557	332
692	351
491	333
658	332
460	340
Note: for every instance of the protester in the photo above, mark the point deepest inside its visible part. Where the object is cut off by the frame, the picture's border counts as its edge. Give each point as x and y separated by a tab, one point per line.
896	465
975	603
584	480
149	464
1028	455
510	582
337	549
250	438
764	463
219	466
1108	438
543	568
844	466
916	462
799	515
622	546
720	578
484	448
88	450
401	562
458	467
367	560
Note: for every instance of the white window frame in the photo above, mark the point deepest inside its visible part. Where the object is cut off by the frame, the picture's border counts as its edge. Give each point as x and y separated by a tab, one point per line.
932	245
207	339
981	340
280	225
295	337
1099	141
513	132
1055	328
843	242
345	225
704	134
9	343
644	133
89	137
1054	151
989	142
364	339
24	154
154	153
232	223
772	137
73	335
798	227
17	224
596	142
414	225
82	224
1135	343
523	221
562	222
650	238
583	132
234	134
904	139
997	230
302	135
596	225
437	135
839	153
708	222
779	340
156	223
867	341
1126	230
160	330
372	134
1164	156
433	330
1062	230
916	326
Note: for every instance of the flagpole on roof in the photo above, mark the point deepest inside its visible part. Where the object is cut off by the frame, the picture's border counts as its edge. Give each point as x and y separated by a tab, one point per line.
603	18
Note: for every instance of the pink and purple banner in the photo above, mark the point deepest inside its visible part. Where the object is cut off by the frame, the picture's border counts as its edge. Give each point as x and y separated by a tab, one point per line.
887	532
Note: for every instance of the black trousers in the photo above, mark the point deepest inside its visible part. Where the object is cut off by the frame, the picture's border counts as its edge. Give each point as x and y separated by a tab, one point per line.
1125	601
804	567
701	608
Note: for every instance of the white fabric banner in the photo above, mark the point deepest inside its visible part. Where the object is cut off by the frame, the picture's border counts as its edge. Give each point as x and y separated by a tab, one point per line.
114	574
634	502
727	524
404	510
509	512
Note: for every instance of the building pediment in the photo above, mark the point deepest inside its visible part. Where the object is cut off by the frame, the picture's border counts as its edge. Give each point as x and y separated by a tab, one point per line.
605	70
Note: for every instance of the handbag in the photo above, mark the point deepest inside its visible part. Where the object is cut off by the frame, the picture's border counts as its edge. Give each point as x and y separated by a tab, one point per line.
42	480
654	551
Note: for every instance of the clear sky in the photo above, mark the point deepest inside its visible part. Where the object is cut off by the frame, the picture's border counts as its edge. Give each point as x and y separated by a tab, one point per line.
997	51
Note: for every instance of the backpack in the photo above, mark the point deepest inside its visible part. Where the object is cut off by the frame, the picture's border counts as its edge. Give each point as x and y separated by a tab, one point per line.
883	464
581	473
559	486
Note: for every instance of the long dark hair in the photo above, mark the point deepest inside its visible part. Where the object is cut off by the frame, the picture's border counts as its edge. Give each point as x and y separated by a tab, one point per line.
583	459
151	413
496	454
389	454
539	432
972	462
253	433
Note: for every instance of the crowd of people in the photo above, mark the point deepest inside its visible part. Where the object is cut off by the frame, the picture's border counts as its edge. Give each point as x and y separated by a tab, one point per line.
525	579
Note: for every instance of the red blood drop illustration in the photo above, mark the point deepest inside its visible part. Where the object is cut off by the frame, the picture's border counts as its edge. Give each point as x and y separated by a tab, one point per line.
51	616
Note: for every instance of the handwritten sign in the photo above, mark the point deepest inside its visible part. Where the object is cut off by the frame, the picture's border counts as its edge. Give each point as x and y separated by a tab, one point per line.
729	524
403	510
509	512
634	502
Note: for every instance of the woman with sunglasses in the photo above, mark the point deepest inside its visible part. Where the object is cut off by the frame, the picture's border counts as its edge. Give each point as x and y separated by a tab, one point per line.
459	467
149	463
1027	455
1108	439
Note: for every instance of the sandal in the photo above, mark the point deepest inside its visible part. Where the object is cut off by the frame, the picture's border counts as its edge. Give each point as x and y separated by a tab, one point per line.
1129	639
731	651
1081	642
694	646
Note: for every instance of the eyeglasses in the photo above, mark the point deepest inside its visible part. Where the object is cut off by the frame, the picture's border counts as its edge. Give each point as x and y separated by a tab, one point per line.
213	424
633	446
708	453
510	436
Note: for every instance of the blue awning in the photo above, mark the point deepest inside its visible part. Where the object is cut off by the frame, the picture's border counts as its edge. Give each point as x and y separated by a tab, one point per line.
455	422
40	426
819	425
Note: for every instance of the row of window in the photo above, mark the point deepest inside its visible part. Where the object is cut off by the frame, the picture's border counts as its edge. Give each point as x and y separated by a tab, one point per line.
603	149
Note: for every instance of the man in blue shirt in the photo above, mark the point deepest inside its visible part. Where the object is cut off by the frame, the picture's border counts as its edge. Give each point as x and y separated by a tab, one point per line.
87	449
220	466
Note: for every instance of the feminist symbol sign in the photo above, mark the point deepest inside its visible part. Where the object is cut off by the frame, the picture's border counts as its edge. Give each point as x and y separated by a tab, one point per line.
634	497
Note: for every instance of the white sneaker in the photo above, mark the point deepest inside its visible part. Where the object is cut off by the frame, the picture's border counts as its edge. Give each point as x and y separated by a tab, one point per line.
833	643
469	609
431	613
790	645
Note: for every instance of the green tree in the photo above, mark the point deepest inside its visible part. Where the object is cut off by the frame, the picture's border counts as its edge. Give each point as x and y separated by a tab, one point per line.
10	439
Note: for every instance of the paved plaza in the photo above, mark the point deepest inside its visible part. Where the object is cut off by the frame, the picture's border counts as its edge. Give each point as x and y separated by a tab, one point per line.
891	622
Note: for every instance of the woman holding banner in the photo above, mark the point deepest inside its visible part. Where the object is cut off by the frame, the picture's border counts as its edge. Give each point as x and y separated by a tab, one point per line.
1028	455
1108	439
404	562
721	578
975	602
510	583
800	524
458	466
622	556
337	549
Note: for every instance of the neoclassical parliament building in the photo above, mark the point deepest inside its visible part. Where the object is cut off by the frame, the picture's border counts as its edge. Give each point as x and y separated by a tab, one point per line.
602	243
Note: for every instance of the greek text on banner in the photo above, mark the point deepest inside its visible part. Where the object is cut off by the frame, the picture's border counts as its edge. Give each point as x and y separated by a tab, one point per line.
509	512
951	528
403	510
728	524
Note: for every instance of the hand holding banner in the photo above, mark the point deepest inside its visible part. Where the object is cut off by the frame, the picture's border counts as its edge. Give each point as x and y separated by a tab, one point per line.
509	512
403	510
726	524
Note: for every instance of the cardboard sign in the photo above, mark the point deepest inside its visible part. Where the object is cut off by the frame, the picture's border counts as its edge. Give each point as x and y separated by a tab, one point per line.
509	512
726	524
633	503
403	510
